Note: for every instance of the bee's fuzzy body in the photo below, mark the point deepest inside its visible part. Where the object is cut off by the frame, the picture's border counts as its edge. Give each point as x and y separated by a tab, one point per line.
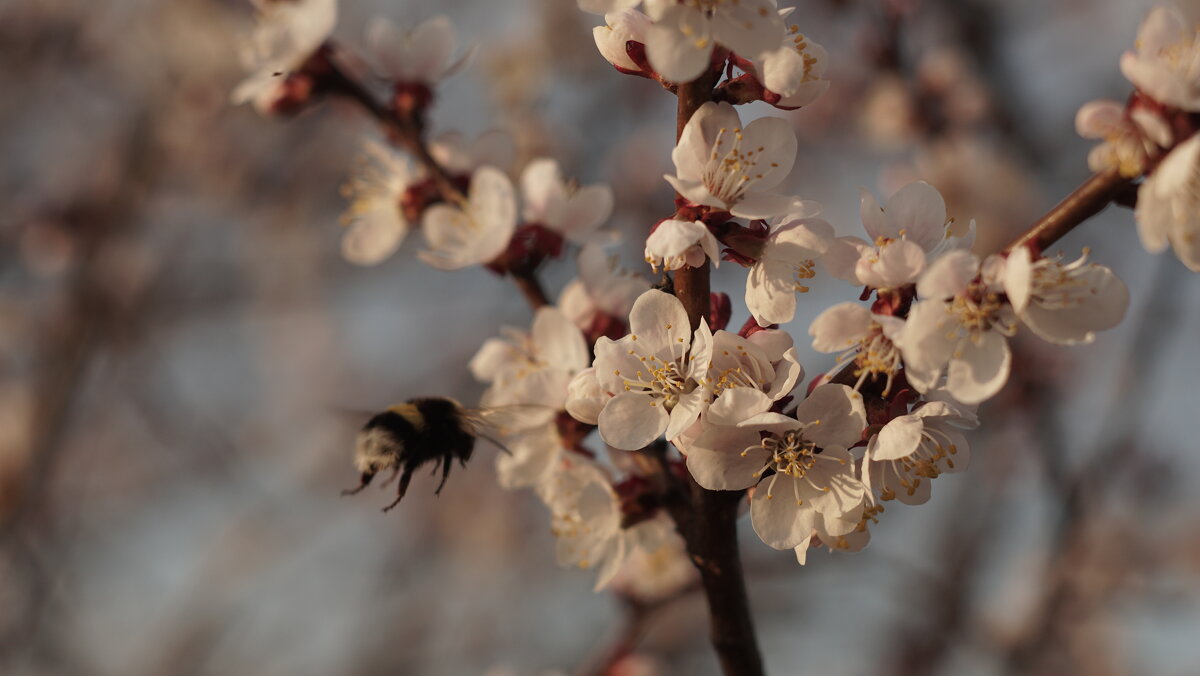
406	436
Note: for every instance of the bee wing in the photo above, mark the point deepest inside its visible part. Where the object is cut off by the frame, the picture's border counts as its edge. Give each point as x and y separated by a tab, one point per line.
500	422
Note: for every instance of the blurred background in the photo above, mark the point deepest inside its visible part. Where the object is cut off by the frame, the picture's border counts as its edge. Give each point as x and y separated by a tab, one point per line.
179	340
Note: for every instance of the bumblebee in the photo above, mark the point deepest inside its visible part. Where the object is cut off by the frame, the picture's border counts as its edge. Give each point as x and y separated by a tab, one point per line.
432	430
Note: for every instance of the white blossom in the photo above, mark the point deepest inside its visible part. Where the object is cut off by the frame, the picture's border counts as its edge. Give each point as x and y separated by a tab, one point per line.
805	469
720	164
861	336
850	537
602	292
287	34
1064	303
904	233
787	259
1165	63
572	211
655	374
421	54
795	70
619	29
585	518
474	233
532	368
913	449
375	222
1168	207
744	378
679	45
960	328
675	244
1130	141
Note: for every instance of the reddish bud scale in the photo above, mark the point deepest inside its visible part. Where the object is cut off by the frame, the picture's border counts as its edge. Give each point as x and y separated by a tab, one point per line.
639	500
752	327
607	326
893	302
636	51
300	88
425	193
719	310
573	433
410	100
529	247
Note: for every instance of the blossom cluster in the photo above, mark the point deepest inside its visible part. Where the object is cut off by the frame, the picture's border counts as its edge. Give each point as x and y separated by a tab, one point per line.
927	344
1154	133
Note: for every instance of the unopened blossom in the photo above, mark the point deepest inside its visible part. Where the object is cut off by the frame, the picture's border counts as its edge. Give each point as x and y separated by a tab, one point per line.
680	44
288	33
1064	303
801	465
959	328
532	368
422	54
457	155
795	70
1130	139
745	380
675	244
860	336
474	233
785	262
619	29
1165	62
375	223
914	449
720	164
654	375
570	210
1168	208
603	293
904	233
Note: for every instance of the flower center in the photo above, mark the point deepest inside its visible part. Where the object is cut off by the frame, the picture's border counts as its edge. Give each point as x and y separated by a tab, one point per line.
934	455
660	379
978	310
731	170
875	354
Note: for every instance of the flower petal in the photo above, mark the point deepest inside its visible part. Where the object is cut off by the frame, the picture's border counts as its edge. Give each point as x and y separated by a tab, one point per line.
631	420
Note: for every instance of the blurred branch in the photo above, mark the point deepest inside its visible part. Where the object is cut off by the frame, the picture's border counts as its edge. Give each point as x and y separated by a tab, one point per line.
637	616
1076	495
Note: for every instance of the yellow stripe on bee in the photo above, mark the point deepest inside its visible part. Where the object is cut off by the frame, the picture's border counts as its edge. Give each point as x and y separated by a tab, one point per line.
410	413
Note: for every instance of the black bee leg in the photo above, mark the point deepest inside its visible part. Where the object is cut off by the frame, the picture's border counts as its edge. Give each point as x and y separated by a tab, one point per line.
401	489
447	463
365	481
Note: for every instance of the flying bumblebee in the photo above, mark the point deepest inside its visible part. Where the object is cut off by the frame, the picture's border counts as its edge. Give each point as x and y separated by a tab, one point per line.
432	430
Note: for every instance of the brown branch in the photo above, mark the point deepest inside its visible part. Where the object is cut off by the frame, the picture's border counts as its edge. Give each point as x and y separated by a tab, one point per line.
706	519
692	284
1086	201
531	288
